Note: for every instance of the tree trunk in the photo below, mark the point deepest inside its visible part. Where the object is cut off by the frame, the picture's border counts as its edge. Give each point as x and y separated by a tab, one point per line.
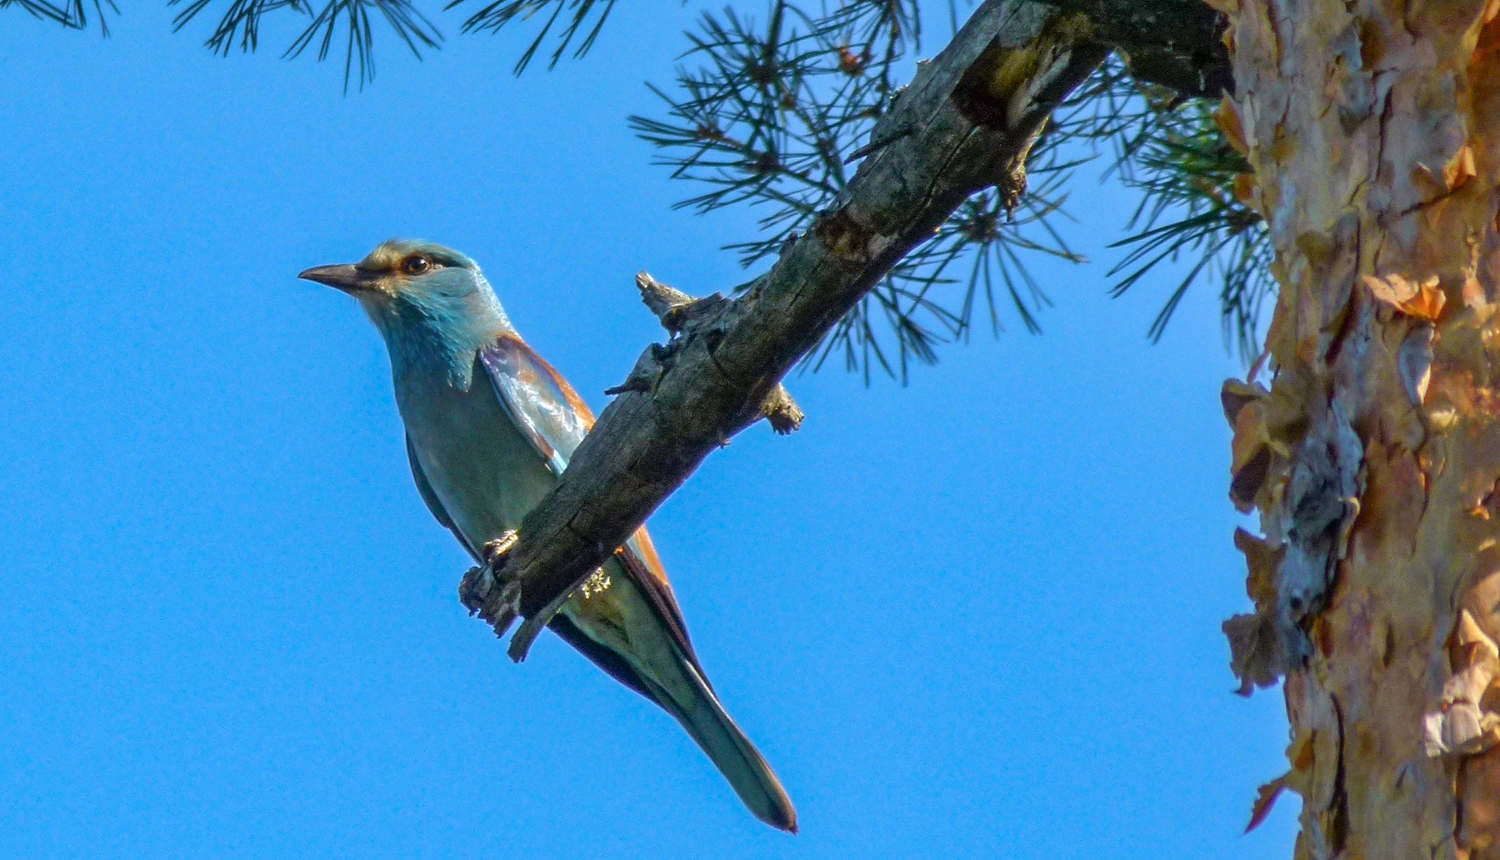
1373	127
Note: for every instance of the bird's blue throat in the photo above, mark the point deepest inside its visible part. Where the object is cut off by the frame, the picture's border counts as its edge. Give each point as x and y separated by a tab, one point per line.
439	330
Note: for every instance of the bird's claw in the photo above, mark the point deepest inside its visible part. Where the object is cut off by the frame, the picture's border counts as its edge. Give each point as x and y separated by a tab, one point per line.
477	591
495	551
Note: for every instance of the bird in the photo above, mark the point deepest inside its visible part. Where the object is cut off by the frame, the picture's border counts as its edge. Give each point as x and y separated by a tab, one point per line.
490	426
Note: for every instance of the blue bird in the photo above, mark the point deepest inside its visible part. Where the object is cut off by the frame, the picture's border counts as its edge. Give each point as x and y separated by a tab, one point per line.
489	427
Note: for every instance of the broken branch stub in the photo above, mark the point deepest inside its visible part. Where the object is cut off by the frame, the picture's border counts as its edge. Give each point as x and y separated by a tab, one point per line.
949	136
683	315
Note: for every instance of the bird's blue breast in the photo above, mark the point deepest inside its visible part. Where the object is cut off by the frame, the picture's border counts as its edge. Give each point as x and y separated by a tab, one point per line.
480	466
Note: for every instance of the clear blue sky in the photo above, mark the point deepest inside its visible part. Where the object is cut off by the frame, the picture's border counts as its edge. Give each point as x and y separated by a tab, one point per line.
977	616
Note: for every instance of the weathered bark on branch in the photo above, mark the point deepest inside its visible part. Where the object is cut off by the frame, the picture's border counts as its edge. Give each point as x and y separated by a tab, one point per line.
1175	43
1373	127
965	123
681	314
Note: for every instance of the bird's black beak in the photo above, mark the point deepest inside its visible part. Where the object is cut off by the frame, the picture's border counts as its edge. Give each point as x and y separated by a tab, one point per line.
347	277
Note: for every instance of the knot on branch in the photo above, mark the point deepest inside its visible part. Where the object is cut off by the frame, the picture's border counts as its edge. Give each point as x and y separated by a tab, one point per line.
849	240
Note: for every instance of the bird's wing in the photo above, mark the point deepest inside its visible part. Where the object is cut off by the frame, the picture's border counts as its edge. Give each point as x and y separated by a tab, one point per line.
634	631
434	504
552	415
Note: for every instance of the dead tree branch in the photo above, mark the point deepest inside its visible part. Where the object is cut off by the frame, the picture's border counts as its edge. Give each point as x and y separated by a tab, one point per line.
966	123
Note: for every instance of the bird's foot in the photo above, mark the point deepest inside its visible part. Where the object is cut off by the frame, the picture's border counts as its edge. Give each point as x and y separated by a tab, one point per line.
479	593
495	551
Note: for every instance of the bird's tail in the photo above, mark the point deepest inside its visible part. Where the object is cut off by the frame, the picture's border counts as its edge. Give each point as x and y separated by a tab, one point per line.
632	638
731	751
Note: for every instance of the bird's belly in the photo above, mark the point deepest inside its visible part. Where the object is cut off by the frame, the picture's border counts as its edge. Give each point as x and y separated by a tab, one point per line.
484	471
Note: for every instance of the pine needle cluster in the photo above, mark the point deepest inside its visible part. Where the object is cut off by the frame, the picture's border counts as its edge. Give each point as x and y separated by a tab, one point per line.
770	110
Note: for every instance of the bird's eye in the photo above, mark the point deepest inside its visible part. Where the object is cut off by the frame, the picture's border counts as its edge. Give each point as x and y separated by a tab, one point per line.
416	264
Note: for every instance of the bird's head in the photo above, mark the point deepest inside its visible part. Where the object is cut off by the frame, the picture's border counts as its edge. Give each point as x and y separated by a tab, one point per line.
403	270
402	284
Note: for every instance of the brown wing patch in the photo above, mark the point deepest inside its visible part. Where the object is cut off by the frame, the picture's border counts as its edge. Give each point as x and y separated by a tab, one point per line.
538	399
640	560
561	384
